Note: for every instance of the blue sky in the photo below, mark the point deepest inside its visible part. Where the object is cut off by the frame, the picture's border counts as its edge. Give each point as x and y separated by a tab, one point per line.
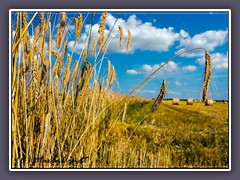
156	37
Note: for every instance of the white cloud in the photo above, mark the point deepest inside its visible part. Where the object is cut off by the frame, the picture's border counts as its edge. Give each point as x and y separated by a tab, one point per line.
145	36
170	67
219	60
173	93
132	71
189	68
148	91
184	34
148	68
177	83
208	40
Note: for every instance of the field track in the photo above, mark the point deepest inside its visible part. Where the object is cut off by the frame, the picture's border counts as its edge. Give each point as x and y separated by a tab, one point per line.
183	111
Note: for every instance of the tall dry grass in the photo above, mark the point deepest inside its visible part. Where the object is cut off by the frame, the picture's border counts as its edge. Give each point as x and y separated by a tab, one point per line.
61	114
65	116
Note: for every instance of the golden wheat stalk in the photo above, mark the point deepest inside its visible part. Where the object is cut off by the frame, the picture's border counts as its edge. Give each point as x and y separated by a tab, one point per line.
124	112
22	34
162	92
101	31
61	29
67	72
94	43
76	66
129	40
34	80
24	19
55	87
113	76
85	54
47	132
207	76
41	21
120	35
35	38
78	26
102	23
26	37
109	70
65	49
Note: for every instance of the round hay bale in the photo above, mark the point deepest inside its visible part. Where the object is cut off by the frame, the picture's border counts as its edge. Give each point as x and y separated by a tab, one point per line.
189	101
175	101
225	102
209	102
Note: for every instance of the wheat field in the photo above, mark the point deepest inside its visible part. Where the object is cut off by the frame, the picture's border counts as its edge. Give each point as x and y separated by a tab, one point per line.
67	116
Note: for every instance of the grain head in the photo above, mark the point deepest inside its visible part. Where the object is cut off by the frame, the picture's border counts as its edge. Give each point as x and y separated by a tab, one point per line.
207	76
94	43
120	35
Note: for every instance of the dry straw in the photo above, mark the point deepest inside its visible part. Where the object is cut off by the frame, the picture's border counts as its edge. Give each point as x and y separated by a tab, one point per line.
67	72
76	66
47	132
129	40
162	92
78	26
124	113
113	76
207	76
56	90
120	35
175	101
61	28
94	43
109	70
26	37
69	129
189	101
101	30
65	49
41	20
23	33
34	80
85	55
209	102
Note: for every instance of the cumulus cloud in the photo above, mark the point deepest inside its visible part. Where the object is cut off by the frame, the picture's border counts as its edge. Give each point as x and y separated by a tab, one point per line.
189	68
208	40
145	36
184	34
81	44
148	91
170	67
150	68
177	83
219	60
132	71
172	93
